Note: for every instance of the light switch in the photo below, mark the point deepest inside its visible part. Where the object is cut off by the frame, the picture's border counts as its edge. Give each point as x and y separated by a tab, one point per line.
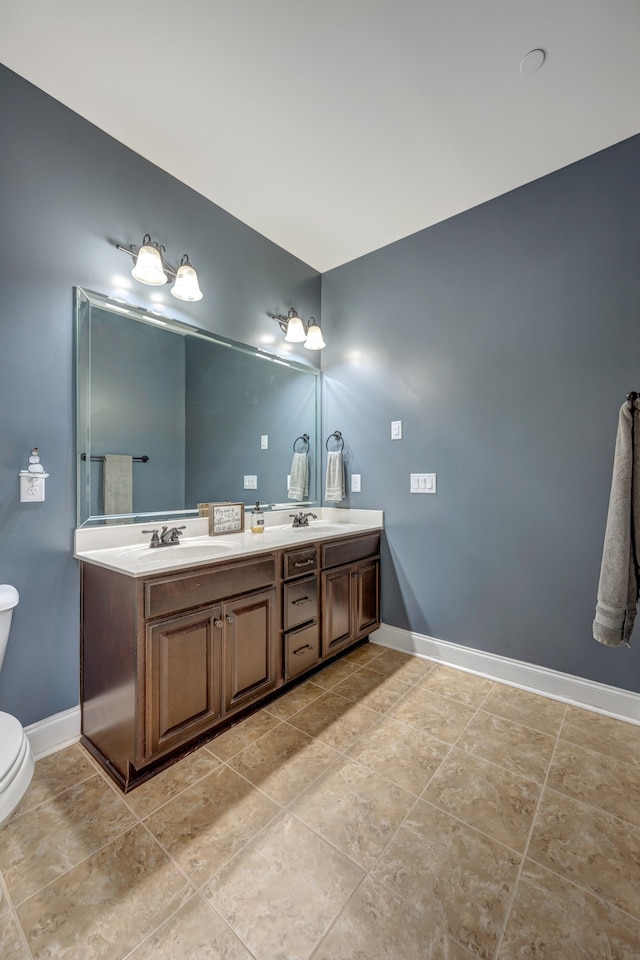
396	429
355	483
423	483
250	482
264	441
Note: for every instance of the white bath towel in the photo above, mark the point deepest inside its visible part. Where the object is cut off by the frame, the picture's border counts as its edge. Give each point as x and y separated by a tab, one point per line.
334	487
299	480
118	484
618	586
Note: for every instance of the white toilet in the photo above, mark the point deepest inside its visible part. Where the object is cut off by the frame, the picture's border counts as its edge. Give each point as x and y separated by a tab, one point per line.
16	759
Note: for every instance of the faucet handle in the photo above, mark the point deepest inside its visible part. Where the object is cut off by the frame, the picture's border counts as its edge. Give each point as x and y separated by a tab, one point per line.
155	539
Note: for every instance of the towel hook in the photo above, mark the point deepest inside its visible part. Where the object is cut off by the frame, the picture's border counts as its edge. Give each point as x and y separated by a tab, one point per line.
305	439
632	397
337	436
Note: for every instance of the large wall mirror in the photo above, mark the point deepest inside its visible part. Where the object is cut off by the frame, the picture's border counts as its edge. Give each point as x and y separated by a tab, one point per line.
205	412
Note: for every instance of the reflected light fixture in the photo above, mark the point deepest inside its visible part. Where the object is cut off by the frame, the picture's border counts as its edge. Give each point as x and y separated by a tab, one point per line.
295	331
151	267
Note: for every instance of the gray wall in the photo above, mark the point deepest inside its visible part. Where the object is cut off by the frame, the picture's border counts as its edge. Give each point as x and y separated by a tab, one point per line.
505	339
68	193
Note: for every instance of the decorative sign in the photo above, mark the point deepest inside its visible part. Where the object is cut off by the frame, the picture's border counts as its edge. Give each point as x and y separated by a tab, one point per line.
226	518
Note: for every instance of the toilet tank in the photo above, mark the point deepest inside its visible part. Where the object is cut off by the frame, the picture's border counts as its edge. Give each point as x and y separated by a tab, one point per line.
8	600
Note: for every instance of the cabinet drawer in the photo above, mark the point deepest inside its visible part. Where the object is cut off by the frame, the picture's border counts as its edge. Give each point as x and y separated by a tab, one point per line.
209	584
347	551
298	562
301	650
300	602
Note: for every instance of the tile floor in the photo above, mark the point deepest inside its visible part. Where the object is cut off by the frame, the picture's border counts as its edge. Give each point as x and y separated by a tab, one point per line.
390	809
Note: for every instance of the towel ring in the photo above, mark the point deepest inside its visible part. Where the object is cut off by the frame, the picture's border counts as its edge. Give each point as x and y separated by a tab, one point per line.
305	439
337	436
632	397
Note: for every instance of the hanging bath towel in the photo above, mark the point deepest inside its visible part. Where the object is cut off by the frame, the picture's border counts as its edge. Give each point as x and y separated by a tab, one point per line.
334	488
299	480
618	586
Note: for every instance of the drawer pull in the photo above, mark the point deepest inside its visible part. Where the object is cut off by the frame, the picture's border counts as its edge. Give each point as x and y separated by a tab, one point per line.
297	603
301	650
304	563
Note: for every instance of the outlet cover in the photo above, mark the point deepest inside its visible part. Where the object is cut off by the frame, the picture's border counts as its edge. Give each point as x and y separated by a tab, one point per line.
355	483
396	429
264	441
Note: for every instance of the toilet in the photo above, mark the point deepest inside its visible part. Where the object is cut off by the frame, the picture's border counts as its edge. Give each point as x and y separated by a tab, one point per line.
16	759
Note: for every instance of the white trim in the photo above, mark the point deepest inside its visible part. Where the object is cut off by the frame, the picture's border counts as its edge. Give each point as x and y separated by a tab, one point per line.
53	733
599	697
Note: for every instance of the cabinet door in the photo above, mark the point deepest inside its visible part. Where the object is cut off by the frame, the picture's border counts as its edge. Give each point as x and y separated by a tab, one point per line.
250	633
183	682
337	609
367	597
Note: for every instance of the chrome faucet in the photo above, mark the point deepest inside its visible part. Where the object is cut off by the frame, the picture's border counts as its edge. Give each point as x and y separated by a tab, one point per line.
302	519
168	537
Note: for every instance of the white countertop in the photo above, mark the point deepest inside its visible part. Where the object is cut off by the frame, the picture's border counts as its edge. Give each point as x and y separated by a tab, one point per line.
124	549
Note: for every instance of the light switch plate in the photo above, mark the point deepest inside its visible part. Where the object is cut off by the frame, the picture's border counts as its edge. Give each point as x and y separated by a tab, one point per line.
396	429
264	441
250	482
355	483
423	483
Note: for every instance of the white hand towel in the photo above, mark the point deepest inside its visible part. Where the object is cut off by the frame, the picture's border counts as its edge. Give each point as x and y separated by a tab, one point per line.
299	480
334	487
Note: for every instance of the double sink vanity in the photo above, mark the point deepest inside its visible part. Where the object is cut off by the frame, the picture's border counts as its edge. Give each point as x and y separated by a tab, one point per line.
180	642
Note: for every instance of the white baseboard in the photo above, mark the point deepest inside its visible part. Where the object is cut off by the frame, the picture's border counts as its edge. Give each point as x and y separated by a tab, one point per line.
53	733
599	697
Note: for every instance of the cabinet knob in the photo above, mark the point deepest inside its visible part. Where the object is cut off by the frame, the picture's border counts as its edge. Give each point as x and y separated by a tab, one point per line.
218	623
229	619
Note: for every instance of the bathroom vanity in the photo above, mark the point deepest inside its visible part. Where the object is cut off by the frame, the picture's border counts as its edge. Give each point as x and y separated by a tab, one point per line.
179	643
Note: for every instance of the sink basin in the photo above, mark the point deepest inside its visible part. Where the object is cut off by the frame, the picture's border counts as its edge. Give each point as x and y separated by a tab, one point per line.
187	550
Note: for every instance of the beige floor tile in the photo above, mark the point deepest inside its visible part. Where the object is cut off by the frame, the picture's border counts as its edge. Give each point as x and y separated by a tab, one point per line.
334	720
281	893
235	739
376	925
615	738
512	745
401	666
11	944
597	779
371	689
431	713
284	762
552	919
400	753
55	774
195	932
529	709
332	675
102	908
208	823
490	798
48	840
464	687
590	848
166	785
354	808
295	700
363	655
459	878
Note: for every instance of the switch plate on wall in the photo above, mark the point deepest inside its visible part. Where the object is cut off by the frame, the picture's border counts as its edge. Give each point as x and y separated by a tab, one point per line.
355	483
264	441
396	429
423	483
250	482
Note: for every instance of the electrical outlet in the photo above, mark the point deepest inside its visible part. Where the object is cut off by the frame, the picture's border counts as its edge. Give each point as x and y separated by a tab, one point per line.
250	482
264	441
355	483
423	483
396	429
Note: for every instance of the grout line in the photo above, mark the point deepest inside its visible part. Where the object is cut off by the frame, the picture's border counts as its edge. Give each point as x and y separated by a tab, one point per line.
13	912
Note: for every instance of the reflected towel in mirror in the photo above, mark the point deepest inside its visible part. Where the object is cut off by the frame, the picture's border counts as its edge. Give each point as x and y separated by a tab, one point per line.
299	480
118	483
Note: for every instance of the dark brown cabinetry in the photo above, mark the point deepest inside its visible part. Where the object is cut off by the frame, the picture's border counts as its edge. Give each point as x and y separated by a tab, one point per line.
166	660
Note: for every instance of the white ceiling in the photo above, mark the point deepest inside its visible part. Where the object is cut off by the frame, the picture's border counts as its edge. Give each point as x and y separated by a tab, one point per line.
339	126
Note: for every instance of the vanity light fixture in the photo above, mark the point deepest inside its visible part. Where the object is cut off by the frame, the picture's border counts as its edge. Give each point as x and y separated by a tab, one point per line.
295	331
151	267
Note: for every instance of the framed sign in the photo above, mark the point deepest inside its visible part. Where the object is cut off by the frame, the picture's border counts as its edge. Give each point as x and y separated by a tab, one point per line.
226	518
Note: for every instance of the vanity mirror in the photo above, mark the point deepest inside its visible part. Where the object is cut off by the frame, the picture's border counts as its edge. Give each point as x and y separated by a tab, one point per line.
206	412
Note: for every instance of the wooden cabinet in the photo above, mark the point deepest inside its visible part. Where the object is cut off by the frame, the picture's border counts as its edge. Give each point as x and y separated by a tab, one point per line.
169	659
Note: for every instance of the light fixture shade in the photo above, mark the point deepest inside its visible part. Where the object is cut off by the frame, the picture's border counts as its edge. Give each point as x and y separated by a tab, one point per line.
186	282
314	339
148	266
295	329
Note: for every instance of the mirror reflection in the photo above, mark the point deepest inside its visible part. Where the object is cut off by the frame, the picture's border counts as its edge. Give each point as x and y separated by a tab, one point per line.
170	416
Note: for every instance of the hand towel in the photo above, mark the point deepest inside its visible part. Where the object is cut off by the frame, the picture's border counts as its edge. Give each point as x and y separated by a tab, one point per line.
299	480
618	586
334	487
118	484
